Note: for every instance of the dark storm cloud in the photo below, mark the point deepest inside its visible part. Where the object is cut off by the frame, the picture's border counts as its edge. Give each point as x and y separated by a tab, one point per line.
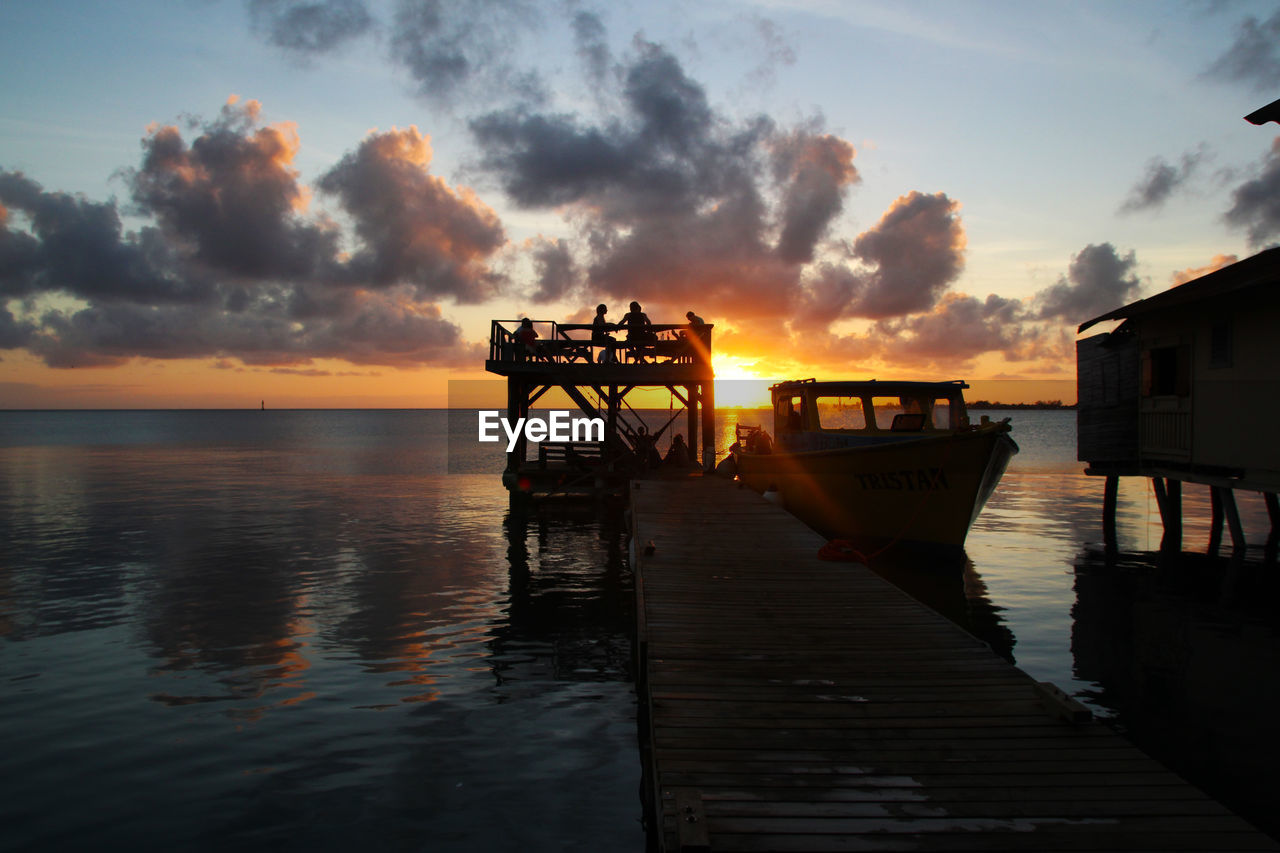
413	227
1256	203
1254	57
1097	281
234	268
1161	180
306	26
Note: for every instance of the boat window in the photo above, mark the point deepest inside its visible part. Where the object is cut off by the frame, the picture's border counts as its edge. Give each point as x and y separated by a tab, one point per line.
788	414
887	408
841	413
942	414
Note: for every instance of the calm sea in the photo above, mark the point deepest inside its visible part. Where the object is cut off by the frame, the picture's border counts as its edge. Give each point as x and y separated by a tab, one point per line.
297	630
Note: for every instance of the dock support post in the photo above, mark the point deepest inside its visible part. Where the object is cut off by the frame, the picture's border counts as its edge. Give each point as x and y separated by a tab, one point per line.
1273	538
1215	520
1109	514
1169	499
707	399
691	418
517	407
1238	545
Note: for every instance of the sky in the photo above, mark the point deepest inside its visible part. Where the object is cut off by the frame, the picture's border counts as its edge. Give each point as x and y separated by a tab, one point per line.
217	203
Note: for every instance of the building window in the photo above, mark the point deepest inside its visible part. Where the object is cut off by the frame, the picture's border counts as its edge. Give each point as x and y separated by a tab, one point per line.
1166	372
1220	345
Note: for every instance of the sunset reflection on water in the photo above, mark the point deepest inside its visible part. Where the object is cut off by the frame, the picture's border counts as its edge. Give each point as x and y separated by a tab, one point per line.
300	630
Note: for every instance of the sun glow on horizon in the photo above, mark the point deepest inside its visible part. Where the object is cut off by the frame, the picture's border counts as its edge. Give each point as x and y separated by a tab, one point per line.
738	384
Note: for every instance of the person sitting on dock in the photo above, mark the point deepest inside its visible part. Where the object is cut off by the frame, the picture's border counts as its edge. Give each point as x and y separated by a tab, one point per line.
639	333
678	454
527	338
600	327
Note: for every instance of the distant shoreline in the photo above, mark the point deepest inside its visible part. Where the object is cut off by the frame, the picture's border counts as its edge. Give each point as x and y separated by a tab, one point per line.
1039	404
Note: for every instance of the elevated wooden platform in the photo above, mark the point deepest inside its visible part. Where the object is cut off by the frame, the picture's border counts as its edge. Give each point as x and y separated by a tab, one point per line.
799	704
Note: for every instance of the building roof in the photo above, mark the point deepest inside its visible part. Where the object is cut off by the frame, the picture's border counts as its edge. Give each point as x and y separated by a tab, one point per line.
1271	112
1261	269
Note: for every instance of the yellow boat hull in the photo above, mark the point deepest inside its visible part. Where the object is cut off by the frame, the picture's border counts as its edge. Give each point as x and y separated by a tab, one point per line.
928	489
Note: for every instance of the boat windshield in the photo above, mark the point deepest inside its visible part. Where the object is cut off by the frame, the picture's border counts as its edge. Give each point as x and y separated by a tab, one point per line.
885	413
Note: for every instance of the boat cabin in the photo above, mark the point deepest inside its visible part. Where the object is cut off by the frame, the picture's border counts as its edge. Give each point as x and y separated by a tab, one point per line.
811	415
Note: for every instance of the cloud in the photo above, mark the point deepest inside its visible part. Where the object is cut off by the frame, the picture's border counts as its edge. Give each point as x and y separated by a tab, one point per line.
1254	57
814	171
592	46
413	227
375	329
558	273
77	246
232	197
457	48
1160	181
234	267
671	197
310	26
1256	202
917	250
959	328
1097	281
1219	261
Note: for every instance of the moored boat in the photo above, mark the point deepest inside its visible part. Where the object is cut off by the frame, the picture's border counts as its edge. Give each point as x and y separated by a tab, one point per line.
874	461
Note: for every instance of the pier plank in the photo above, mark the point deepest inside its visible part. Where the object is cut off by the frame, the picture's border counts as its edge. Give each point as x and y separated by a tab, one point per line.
799	704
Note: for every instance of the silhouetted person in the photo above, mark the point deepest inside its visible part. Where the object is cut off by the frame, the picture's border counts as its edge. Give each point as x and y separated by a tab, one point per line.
696	338
637	324
527	338
599	334
678	454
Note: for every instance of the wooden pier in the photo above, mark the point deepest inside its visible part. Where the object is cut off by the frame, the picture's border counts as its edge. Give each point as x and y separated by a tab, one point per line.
799	704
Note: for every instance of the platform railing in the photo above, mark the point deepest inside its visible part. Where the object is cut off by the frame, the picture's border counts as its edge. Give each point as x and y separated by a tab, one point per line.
569	343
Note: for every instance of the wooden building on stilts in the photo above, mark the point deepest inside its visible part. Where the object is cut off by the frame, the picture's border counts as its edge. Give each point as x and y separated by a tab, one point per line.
598	376
1187	390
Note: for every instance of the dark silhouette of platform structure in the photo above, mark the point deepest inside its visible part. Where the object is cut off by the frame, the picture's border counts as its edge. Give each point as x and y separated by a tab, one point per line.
598	377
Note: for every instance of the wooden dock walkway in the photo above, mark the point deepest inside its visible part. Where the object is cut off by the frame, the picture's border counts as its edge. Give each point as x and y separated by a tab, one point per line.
799	704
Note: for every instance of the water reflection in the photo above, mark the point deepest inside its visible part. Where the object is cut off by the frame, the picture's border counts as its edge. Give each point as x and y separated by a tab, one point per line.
1186	671
300	647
